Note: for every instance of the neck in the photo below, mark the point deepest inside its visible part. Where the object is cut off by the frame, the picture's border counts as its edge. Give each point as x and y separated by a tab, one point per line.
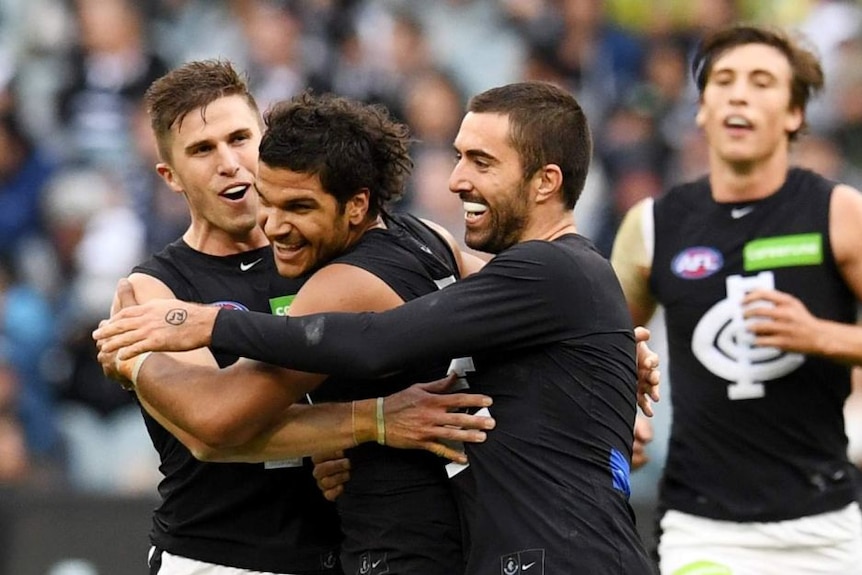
552	229
221	243
741	182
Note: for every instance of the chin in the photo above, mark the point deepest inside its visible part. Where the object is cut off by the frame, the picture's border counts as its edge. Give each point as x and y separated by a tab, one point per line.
289	271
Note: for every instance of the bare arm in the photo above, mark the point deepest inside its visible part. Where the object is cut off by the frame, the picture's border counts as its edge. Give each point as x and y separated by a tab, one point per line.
632	261
201	405
240	394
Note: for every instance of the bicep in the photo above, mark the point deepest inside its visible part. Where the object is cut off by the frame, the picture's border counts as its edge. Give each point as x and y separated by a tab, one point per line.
631	259
343	287
146	288
845	231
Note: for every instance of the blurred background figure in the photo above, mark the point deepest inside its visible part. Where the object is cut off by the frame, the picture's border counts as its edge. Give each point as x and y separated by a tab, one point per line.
28	429
95	237
107	70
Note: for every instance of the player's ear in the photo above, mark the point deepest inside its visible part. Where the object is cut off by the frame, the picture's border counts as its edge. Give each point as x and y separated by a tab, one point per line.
167	174
548	181
357	206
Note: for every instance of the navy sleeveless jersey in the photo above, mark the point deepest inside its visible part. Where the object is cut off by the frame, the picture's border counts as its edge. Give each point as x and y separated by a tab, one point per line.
237	514
757	434
398	512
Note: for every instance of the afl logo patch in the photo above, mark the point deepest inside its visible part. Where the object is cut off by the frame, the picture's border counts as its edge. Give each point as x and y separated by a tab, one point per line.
230	305
697	263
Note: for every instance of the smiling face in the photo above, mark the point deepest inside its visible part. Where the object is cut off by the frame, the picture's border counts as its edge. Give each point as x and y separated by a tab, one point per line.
213	161
489	180
745	107
305	225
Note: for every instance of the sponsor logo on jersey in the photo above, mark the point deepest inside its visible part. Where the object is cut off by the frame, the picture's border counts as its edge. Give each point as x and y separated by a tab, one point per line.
783	252
526	562
280	305
230	305
697	263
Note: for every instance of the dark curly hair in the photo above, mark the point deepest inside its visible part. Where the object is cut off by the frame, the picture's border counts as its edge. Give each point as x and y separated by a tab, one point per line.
348	144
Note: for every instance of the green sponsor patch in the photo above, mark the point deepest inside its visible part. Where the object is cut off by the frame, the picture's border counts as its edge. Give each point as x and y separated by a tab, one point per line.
280	305
783	252
703	568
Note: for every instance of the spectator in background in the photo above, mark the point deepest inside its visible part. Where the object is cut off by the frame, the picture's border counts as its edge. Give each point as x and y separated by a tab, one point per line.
108	70
14	453
847	131
95	238
27	328
599	60
473	40
24	171
273	34
432	107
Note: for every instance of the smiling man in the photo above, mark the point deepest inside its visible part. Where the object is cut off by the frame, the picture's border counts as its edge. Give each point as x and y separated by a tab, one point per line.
546	325
247	516
759	269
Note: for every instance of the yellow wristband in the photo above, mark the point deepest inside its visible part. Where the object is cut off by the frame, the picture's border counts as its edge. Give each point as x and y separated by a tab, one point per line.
129	368
381	424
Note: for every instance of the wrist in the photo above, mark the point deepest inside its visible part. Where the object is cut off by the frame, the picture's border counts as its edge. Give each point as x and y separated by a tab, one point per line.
364	419
130	369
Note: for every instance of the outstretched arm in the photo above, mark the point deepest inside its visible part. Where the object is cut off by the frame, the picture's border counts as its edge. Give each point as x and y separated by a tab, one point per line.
245	412
513	303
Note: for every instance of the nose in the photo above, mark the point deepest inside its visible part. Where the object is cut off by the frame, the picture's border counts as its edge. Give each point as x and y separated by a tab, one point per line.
272	224
228	161
738	91
458	181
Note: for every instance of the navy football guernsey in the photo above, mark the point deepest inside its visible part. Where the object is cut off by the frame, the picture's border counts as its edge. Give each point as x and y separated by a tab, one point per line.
236	514
757	434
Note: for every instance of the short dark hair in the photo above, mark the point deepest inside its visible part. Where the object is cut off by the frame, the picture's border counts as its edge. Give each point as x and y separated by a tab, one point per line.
546	126
188	87
348	144
805	66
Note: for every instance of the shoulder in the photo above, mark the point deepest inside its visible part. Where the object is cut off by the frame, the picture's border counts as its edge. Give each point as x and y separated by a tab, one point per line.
344	287
548	258
691	195
845	215
467	263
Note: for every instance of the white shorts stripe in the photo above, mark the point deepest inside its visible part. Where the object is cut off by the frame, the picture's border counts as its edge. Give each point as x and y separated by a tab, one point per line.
176	565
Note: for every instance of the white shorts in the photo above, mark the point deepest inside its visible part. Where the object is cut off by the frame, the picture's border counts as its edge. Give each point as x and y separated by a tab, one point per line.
826	543
176	565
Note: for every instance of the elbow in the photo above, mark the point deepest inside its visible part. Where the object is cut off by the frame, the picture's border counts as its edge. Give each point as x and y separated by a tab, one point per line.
202	451
219	436
207	453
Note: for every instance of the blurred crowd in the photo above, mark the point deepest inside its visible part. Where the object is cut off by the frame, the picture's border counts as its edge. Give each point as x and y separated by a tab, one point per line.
80	202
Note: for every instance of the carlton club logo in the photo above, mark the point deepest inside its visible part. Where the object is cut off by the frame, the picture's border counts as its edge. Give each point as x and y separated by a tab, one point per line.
697	263
725	347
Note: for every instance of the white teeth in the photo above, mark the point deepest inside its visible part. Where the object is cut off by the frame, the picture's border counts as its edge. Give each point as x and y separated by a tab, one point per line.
236	189
474	208
737	122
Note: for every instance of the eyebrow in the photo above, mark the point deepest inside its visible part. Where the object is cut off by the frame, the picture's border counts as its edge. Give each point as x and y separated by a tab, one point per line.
209	141
736	71
474	153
